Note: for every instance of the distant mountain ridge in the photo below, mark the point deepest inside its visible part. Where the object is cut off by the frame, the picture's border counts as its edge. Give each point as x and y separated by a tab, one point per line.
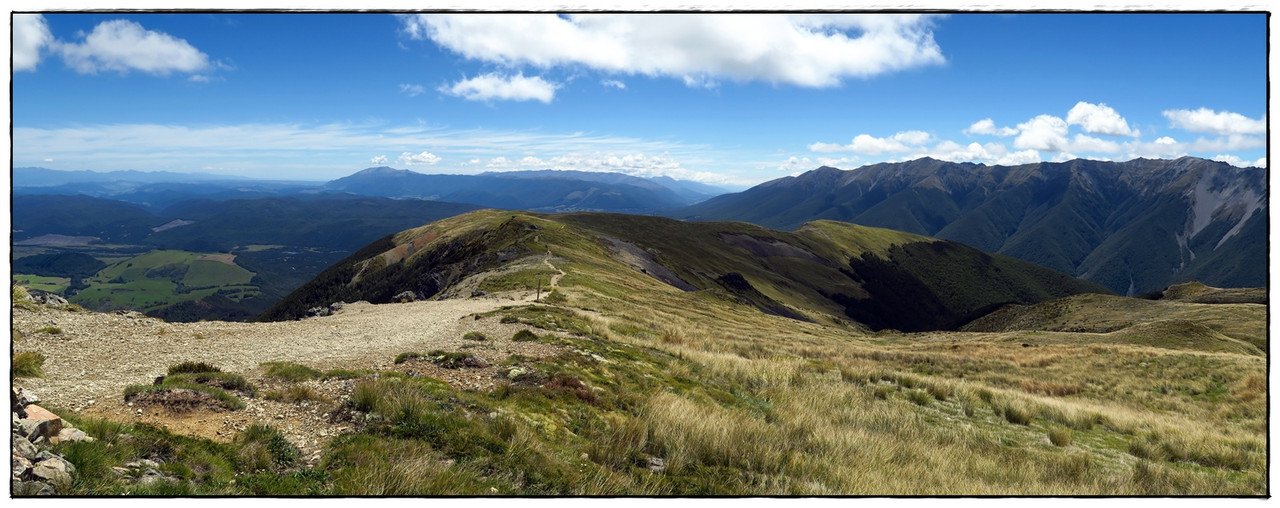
825	272
546	191
1131	226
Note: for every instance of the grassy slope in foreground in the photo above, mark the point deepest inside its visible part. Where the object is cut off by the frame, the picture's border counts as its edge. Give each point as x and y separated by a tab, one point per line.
825	272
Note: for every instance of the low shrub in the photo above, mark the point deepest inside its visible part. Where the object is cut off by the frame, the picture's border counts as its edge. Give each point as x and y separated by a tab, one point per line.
191	368
1016	414
404	357
524	336
474	336
51	330
455	360
264	448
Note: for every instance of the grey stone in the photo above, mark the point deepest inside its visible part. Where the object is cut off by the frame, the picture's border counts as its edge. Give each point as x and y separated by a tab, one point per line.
21	488
19	466
657	465
54	472
72	435
23	447
405	297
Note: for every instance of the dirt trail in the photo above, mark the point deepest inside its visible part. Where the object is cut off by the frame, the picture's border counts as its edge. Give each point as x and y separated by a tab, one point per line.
555	279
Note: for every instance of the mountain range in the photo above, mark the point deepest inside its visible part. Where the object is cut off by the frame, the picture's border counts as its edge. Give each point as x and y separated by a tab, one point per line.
1132	227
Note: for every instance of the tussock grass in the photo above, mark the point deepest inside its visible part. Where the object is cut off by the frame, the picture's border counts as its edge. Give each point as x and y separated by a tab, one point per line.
51	330
192	367
28	364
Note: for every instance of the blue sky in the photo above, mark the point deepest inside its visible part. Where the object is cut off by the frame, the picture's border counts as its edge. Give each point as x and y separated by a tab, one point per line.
736	99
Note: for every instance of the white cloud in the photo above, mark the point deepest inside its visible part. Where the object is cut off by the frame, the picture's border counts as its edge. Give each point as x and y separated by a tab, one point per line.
30	36
381	159
123	46
532	162
1083	143
412	90
1044	132
427	158
498	163
988	126
793	165
1166	140
493	86
614	83
1240	163
1208	120
811	51
867	144
1099	119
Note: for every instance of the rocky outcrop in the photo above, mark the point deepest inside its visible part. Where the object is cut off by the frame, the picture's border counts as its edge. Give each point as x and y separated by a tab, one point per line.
36	471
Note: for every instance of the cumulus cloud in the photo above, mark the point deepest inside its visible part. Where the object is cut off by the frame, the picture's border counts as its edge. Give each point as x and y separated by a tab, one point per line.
30	36
867	144
988	126
412	90
381	159
1099	119
795	165
614	84
512	88
1208	120
123	46
810	51
1044	132
427	158
1240	163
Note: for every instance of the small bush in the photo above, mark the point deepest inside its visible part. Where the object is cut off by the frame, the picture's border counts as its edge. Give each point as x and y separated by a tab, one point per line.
506	320
199	336
291	371
455	360
882	391
192	368
572	385
939	391
264	448
365	397
404	357
1060	436
28	364
223	380
524	336
52	330
474	336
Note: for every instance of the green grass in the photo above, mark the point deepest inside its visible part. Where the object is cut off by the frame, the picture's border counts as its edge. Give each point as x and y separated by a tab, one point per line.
28	364
54	285
477	336
51	330
161	278
524	336
192	367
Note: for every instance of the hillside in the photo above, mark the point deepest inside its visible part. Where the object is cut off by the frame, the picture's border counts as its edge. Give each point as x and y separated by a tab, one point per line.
1132	227
620	382
824	272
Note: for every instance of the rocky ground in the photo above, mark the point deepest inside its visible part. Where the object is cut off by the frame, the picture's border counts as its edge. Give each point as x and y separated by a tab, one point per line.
92	357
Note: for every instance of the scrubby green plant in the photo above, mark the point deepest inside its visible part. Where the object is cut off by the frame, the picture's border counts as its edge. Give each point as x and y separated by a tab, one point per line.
341	374
192	367
292	372
28	364
220	396
524	336
264	448
919	397
406	356
223	380
474	336
1015	413
453	360
52	330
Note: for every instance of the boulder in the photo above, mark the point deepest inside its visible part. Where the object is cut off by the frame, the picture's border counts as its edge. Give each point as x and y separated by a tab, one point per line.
72	435
20	466
405	297
22	488
40	423
23	447
54	471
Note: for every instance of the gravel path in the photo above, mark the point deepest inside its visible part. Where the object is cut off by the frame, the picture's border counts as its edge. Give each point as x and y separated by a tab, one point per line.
95	356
